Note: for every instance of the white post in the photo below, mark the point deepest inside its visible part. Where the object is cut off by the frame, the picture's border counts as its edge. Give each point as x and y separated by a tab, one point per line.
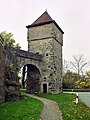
77	100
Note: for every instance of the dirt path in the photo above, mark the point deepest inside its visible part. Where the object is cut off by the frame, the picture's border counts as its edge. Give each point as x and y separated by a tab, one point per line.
50	110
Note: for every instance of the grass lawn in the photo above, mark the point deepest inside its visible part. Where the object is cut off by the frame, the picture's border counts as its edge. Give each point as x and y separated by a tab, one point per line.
24	109
69	109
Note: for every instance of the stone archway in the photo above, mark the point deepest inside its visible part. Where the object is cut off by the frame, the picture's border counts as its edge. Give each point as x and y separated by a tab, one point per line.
32	79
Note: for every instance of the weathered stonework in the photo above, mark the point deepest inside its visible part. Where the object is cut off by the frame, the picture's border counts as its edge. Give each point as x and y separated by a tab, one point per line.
31	72
41	65
2	68
46	39
11	82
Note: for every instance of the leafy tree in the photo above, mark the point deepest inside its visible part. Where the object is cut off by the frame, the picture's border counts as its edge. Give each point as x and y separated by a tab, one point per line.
69	80
87	77
88	74
73	73
82	84
72	81
7	39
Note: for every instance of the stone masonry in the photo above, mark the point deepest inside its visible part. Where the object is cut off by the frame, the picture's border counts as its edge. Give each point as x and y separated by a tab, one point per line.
2	67
41	65
45	37
9	83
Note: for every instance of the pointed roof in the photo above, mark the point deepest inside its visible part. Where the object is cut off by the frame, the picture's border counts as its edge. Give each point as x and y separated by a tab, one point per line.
45	18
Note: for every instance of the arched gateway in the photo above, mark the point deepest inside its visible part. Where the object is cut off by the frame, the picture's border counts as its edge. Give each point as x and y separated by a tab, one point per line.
43	59
30	70
42	63
32	78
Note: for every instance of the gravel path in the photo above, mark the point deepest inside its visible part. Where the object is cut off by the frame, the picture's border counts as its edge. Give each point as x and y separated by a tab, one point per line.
50	110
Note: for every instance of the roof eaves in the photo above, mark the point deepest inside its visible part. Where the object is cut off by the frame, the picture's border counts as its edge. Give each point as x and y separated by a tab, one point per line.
58	27
43	23
39	24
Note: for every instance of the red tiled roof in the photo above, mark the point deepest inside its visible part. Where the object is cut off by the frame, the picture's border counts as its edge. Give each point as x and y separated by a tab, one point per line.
45	17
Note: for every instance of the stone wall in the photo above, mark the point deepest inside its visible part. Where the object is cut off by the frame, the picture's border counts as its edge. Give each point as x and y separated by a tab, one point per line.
47	40
12	87
9	84
2	68
11	60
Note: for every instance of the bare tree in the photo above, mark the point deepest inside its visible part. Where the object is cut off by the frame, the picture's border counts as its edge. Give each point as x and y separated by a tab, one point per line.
66	66
78	64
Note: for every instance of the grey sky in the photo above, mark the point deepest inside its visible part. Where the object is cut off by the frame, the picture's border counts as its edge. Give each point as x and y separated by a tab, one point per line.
73	16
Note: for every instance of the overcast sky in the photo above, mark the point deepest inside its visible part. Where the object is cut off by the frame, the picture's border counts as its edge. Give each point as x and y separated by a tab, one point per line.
73	16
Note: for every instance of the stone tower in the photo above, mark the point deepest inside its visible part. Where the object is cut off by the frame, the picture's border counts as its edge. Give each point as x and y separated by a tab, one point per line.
45	37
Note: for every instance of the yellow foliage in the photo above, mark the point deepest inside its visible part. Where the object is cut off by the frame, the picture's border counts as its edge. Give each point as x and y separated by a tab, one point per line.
82	83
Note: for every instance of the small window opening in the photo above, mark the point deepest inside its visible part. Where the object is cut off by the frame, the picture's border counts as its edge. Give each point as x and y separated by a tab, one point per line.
50	74
37	53
44	77
47	54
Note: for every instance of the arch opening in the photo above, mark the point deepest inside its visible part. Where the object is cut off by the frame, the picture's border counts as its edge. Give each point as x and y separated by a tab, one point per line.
31	78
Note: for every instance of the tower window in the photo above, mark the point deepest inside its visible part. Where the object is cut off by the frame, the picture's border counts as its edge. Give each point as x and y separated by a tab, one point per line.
47	54
44	77
37	53
50	74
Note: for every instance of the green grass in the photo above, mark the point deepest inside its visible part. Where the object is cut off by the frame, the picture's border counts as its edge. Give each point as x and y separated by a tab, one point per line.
69	109
30	109
24	109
